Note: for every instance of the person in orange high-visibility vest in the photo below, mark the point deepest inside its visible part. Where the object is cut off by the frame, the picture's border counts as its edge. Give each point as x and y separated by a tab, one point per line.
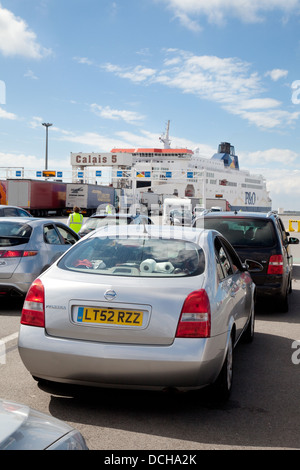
75	220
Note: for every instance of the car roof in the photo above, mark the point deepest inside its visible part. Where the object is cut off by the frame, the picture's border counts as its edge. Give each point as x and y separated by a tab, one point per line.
241	214
158	231
31	220
125	216
9	205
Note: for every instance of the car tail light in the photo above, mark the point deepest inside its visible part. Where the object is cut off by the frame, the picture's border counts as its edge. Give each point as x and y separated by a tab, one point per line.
275	264
17	253
33	312
195	317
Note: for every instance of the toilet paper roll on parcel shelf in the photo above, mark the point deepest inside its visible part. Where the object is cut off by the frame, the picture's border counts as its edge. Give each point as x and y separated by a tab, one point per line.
165	267
148	266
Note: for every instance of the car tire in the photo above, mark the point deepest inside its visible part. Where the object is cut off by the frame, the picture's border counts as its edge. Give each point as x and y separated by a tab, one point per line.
283	302
223	385
248	334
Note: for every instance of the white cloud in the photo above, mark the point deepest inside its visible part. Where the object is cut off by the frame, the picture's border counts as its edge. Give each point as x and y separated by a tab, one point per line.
20	160
107	112
6	115
227	81
36	122
83	60
30	74
276	74
217	11
17	39
136	74
285	157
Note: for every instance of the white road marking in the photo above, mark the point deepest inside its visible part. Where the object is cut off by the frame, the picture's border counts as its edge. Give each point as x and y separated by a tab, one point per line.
9	338
3	343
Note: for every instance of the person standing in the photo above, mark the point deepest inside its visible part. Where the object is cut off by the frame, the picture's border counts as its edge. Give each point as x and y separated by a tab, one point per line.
75	219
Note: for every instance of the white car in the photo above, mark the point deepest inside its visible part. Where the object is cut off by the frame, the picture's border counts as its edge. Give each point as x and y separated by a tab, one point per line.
142	307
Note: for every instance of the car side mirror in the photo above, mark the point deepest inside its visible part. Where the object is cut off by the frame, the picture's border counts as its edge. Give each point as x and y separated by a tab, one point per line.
293	241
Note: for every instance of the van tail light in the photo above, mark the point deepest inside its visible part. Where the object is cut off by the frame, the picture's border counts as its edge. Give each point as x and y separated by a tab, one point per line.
17	253
275	264
195	317
33	312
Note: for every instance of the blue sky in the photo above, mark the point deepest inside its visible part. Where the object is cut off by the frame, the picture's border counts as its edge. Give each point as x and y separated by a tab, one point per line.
112	73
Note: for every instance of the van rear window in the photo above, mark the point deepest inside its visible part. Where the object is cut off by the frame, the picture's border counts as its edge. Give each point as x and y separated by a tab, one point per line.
243	231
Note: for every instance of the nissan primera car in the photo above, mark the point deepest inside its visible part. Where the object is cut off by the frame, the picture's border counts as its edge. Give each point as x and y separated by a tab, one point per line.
27	247
149	307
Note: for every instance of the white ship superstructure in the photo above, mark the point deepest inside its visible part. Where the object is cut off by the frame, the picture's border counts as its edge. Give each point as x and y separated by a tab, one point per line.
186	173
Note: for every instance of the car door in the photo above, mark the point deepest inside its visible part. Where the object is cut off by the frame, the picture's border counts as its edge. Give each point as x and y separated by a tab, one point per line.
233	282
286	251
54	243
68	236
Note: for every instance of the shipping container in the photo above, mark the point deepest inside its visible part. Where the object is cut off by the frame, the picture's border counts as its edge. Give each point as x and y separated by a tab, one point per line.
89	197
38	197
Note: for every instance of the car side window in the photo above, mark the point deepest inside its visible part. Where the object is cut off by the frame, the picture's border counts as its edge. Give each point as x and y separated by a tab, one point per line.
10	212
66	234
22	213
282	231
224	265
51	236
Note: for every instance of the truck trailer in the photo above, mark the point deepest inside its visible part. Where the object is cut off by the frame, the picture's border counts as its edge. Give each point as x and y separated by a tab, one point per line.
38	197
89	197
3	199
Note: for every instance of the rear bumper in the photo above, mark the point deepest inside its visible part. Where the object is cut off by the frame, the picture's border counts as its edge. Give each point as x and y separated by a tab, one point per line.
186	364
12	290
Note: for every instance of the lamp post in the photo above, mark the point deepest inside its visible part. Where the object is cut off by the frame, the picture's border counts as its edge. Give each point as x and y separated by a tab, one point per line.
47	125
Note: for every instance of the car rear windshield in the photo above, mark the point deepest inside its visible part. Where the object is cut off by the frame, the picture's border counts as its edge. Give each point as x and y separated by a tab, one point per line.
14	233
147	257
241	231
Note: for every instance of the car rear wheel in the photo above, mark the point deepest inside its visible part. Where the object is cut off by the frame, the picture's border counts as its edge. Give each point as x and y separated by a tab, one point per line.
248	334
283	303
223	385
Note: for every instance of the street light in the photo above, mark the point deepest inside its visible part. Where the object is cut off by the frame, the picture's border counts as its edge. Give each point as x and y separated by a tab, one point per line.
46	124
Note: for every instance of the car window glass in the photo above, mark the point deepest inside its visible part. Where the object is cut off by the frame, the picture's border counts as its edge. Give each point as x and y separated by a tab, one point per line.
67	235
281	230
14	233
51	236
241	231
10	212
136	257
223	260
22	213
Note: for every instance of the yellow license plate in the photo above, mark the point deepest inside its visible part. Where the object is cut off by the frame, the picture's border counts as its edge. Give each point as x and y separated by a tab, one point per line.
109	316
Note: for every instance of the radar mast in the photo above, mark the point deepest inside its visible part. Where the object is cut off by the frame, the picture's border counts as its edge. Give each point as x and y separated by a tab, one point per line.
164	138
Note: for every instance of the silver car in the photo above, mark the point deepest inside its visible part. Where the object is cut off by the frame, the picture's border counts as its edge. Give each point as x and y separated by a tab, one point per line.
29	246
13	211
22	428
152	307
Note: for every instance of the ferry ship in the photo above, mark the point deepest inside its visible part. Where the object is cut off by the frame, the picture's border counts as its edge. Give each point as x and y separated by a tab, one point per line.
185	173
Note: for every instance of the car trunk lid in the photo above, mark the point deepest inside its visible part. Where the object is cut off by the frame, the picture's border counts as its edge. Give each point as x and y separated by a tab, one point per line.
116	310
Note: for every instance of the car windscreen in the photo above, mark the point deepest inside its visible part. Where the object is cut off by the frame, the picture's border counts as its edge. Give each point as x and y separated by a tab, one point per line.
245	231
135	256
14	233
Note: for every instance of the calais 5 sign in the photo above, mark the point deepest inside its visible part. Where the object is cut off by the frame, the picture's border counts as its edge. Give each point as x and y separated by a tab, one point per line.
100	159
